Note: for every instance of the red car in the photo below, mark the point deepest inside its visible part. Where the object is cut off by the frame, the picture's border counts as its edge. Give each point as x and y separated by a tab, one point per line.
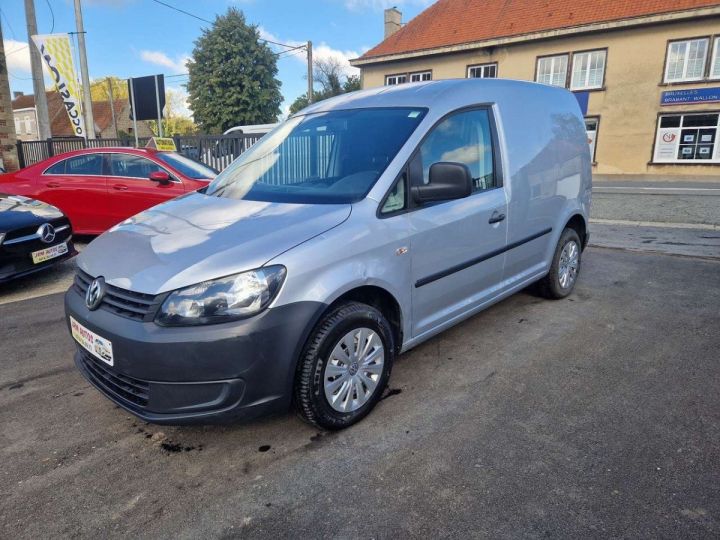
97	188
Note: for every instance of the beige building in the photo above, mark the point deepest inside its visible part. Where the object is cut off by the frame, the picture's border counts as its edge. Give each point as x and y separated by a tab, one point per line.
646	73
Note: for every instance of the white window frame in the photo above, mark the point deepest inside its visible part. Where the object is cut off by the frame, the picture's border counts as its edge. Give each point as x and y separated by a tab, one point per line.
715	60
420	76
592	142
684	77
482	68
675	133
396	77
553	59
584	83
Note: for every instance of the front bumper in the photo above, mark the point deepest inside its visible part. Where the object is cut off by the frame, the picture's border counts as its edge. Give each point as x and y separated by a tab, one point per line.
201	374
16	261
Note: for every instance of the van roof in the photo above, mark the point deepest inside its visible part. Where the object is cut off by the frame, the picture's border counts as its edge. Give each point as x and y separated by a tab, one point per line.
448	94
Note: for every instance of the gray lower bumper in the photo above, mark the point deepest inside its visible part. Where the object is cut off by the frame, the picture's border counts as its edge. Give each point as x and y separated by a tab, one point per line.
202	374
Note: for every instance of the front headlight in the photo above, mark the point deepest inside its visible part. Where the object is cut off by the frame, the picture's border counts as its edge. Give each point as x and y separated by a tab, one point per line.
222	300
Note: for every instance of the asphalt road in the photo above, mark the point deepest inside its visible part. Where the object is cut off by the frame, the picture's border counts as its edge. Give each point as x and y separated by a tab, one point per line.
594	416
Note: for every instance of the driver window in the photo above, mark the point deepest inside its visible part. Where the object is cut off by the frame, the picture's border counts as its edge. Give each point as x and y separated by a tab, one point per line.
465	138
132	166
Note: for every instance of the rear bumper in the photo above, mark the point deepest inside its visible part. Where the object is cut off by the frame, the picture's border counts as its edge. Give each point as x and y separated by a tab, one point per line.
204	374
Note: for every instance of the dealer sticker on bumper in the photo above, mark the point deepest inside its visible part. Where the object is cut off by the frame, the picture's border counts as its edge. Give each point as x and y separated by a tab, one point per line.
96	345
49	253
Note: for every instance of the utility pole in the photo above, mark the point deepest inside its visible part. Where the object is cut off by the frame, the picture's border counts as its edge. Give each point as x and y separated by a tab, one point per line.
112	105
8	140
41	106
87	99
310	72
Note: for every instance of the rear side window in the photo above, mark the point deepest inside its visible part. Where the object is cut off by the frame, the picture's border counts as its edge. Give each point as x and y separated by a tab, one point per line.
132	166
58	168
88	164
463	137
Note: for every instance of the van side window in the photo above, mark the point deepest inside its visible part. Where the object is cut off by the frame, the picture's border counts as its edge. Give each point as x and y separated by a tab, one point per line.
396	198
465	138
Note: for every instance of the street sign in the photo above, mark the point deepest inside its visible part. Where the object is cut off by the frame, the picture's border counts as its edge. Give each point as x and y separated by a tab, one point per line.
694	96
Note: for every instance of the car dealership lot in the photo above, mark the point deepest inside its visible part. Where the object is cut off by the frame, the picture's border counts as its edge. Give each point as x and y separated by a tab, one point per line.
596	415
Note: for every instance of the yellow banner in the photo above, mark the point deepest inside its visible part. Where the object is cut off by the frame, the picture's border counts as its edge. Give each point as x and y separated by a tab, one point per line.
57	53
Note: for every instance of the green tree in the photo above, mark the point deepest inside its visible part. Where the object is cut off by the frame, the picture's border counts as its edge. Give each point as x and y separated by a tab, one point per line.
328	73
232	76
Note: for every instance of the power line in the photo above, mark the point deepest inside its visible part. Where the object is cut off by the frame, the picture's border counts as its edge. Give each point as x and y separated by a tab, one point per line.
52	14
210	22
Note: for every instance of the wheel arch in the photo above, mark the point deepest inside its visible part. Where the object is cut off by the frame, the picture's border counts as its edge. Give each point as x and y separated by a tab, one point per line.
579	225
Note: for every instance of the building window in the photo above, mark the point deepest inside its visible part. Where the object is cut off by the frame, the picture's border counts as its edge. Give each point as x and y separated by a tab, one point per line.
552	70
591	128
482	71
588	70
687	137
421	76
715	65
28	127
686	60
17	125
395	79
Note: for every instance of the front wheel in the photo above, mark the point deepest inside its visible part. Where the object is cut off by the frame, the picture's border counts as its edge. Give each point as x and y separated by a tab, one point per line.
345	366
565	267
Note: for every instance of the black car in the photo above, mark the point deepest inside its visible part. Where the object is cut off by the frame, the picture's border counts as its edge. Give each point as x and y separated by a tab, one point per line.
33	236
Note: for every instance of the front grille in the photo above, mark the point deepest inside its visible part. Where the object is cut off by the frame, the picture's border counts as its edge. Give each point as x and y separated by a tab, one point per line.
129	304
127	388
27	231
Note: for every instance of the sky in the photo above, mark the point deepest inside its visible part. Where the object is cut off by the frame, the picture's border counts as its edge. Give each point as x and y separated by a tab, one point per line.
132	38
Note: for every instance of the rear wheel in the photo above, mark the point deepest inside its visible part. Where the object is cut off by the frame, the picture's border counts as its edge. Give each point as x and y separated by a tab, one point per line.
345	366
565	267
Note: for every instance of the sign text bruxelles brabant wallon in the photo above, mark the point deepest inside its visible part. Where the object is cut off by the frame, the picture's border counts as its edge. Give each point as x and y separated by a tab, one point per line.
689	97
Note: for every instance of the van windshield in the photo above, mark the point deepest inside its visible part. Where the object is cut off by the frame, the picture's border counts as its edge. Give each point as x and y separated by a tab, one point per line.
329	157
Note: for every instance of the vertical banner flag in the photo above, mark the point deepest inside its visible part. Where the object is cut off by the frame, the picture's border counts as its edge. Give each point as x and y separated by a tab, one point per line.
57	53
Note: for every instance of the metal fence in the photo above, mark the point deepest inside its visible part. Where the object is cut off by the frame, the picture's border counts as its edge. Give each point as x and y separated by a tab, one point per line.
217	151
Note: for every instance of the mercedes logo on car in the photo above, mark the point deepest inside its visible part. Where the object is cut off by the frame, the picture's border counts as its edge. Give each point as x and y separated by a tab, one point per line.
46	232
95	293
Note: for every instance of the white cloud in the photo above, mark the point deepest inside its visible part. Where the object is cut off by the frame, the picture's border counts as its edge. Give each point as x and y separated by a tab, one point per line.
182	105
17	54
159	58
321	51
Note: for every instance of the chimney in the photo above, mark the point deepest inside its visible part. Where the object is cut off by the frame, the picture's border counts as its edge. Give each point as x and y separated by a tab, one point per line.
17	95
393	21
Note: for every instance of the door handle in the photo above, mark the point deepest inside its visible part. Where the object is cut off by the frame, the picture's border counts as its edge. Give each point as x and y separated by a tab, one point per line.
496	217
53	184
120	187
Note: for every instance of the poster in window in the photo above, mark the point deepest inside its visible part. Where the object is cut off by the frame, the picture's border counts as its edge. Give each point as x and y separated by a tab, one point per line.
688	138
704	152
687	152
666	145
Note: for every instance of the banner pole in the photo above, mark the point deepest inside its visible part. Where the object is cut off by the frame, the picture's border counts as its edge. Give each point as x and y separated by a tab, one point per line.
157	101
134	111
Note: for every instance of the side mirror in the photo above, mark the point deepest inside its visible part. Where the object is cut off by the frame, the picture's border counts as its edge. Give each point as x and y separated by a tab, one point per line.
447	181
160	176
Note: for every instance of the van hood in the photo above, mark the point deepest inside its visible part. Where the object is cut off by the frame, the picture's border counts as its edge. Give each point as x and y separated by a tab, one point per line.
196	237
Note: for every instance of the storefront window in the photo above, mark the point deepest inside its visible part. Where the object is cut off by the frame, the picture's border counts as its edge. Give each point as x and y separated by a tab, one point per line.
687	137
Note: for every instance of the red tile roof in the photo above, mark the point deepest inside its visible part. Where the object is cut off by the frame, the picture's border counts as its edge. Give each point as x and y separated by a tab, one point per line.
59	123
453	22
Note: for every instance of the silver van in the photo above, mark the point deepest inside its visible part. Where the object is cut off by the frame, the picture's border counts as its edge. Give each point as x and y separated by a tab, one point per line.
352	232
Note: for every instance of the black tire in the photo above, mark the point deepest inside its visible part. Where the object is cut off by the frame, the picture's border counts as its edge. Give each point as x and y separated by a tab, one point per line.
309	392
549	286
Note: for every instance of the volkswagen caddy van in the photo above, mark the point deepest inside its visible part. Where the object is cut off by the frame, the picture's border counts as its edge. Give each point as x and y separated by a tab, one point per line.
357	229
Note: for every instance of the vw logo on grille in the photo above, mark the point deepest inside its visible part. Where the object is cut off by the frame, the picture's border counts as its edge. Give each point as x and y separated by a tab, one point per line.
46	232
95	293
